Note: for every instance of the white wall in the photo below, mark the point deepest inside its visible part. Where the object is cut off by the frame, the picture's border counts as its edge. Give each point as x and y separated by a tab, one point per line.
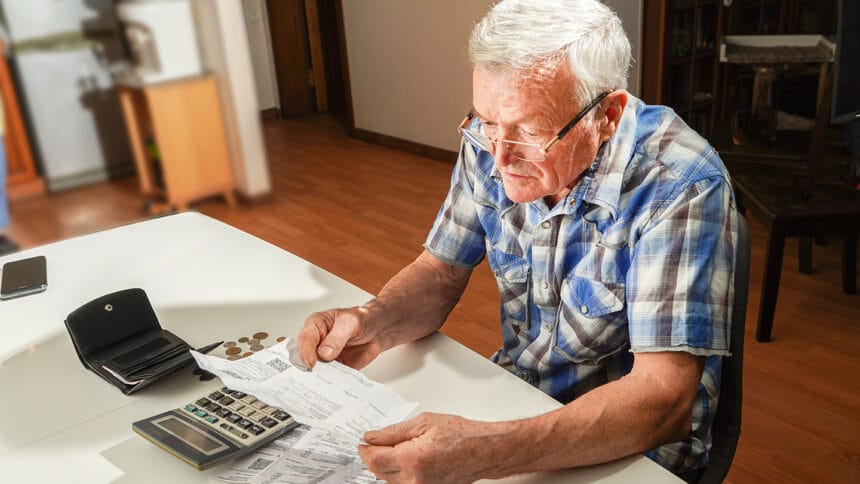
262	59
408	70
632	15
225	51
409	74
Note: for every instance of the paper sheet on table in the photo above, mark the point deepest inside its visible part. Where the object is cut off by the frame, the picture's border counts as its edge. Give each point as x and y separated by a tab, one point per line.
338	403
302	455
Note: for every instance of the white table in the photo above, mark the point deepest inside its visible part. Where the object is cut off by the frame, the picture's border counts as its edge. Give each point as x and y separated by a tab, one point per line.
207	282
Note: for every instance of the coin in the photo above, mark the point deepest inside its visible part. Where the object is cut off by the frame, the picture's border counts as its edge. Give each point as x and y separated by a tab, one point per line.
256	347
261	335
253	341
234	357
243	339
233	351
249	353
281	338
229	344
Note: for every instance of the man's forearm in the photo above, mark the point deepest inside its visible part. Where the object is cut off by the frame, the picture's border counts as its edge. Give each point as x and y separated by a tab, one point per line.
634	414
416	301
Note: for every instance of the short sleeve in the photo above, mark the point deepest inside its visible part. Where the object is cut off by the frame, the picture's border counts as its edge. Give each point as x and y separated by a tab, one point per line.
457	236
680	287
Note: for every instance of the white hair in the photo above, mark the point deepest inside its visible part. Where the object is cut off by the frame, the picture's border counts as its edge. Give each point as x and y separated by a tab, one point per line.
524	34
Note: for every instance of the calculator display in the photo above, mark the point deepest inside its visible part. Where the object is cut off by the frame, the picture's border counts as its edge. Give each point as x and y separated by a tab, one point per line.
185	432
221	425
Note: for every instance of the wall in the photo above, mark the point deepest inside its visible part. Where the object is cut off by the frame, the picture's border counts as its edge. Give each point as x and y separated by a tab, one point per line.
632	14
225	52
262	59
409	74
408	70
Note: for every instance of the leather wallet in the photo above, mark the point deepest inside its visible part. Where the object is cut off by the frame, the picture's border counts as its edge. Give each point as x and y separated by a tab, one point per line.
118	337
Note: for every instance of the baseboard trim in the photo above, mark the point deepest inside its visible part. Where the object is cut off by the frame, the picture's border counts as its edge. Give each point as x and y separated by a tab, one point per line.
271	113
259	199
405	145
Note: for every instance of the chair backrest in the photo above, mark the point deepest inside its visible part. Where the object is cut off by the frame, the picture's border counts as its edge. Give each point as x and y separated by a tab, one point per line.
727	421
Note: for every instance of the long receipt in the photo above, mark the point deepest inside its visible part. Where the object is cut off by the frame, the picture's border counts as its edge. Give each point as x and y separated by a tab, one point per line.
334	403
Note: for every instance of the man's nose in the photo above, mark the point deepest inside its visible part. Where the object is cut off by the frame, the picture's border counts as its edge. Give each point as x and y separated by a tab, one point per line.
503	152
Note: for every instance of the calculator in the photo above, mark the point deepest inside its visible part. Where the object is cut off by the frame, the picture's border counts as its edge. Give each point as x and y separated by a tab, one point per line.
220	426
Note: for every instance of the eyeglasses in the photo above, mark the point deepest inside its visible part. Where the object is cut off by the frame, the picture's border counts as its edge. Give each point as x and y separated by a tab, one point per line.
532	152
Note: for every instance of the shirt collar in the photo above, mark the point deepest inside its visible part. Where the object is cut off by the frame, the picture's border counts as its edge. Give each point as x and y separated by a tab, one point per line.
607	173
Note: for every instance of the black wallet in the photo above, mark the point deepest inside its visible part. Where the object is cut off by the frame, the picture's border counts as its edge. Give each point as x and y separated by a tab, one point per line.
119	338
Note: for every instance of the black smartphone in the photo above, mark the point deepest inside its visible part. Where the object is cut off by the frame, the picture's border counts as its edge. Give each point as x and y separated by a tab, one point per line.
23	277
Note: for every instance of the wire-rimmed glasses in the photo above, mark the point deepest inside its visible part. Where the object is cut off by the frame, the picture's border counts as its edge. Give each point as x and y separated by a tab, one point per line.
533	152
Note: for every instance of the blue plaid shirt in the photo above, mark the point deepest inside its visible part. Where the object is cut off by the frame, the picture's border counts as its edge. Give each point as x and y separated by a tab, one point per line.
639	257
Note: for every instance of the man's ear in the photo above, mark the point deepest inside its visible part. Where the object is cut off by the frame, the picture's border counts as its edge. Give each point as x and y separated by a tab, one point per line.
613	107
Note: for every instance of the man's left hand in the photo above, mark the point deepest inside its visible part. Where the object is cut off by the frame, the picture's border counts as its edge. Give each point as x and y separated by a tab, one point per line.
429	448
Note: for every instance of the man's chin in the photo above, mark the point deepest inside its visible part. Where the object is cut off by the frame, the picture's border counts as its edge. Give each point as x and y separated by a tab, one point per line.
520	197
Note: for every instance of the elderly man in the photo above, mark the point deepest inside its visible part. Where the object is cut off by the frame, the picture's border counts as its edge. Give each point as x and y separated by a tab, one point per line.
610	228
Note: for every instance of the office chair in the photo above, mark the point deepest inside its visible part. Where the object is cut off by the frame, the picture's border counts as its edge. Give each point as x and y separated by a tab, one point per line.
727	421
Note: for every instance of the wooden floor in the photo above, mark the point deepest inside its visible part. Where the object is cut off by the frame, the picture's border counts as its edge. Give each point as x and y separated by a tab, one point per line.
361	211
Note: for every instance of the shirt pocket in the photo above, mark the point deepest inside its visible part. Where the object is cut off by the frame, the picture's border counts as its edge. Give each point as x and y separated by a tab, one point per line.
512	275
591	323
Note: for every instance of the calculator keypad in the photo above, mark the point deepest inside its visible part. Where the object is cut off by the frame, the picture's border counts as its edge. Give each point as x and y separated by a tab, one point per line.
237	414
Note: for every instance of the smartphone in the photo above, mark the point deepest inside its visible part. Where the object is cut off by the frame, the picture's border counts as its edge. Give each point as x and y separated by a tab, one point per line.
23	277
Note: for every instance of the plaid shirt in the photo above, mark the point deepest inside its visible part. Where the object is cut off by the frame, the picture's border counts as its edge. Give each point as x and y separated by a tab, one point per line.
639	257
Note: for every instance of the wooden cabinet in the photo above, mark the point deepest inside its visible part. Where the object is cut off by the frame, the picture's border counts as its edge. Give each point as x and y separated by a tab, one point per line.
680	61
178	139
22	180
781	17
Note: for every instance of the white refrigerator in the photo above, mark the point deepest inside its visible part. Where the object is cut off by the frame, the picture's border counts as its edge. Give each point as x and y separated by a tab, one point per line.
61	52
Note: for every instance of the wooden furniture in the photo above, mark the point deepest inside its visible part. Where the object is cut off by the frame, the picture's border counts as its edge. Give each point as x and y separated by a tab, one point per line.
769	17
22	180
679	58
806	201
178	139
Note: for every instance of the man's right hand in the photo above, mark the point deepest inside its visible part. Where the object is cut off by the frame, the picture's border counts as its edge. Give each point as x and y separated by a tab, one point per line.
340	334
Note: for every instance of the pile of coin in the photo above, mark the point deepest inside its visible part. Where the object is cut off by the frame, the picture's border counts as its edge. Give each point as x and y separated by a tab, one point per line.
245	346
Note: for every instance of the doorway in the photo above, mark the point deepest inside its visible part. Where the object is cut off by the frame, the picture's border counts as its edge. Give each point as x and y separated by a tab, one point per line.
307	51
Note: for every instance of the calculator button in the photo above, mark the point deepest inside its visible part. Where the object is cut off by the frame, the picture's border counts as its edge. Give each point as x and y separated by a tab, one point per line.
258	417
190	408
236	406
259	405
234	418
246	411
212	419
223	412
269	422
244	423
281	415
213	407
201	413
225	426
238	395
271	410
202	402
238	433
215	395
225	400
256	429
248	399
